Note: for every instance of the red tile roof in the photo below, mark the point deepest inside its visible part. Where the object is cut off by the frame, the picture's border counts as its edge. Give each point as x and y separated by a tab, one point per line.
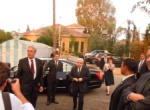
75	26
65	30
34	32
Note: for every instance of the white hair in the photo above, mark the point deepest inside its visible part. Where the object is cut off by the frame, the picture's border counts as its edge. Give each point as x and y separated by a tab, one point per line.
31	46
80	59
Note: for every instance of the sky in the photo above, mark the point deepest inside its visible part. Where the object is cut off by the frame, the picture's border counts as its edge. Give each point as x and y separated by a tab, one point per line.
17	14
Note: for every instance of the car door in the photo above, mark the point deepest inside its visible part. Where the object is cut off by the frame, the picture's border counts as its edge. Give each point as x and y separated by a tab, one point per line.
67	66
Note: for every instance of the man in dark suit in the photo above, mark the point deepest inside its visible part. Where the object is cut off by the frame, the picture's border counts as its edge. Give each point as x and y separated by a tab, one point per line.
30	75
142	67
103	61
53	67
137	96
128	68
83	57
53	53
79	75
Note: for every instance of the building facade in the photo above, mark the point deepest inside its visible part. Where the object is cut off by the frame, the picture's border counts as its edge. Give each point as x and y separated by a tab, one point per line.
71	38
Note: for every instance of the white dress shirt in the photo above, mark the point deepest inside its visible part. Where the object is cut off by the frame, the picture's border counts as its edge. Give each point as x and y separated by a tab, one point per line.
29	60
16	104
125	77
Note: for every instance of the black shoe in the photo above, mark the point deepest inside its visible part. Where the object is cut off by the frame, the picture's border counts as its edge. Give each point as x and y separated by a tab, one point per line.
48	103
74	108
55	102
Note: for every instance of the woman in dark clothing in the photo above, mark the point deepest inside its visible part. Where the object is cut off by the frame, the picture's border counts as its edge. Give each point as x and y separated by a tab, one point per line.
108	74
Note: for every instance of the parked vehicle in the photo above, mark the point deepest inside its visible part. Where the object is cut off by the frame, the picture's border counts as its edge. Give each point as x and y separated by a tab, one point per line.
117	59
94	83
91	56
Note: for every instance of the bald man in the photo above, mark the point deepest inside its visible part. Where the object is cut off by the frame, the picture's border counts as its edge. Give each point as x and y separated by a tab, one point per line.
79	75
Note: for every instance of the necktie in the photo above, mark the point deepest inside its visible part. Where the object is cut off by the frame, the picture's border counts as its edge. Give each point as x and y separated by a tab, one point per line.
79	71
56	63
140	65
105	59
32	66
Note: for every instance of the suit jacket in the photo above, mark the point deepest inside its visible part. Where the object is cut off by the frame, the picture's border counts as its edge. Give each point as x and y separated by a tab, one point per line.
53	69
102	63
85	74
83	57
115	102
25	75
138	87
143	69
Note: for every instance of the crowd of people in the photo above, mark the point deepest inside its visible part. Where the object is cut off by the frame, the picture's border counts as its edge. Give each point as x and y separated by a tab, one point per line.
131	94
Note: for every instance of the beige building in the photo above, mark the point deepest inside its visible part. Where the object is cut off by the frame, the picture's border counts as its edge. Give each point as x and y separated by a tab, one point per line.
71	34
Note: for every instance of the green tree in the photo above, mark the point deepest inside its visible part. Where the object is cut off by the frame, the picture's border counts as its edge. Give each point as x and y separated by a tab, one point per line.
96	15
4	36
128	38
143	5
98	41
23	38
119	49
110	43
46	37
136	48
146	40
72	42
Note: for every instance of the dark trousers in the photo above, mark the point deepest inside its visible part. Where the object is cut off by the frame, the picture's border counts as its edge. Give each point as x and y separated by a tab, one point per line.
80	100
51	90
31	94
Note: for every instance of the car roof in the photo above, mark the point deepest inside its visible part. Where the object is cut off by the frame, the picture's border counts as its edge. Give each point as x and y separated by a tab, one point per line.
67	60
62	59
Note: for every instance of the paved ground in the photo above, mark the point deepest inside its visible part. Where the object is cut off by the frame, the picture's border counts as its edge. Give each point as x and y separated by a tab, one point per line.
94	99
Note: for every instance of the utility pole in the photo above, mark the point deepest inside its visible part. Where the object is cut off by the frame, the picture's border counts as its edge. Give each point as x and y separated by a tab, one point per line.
59	45
54	26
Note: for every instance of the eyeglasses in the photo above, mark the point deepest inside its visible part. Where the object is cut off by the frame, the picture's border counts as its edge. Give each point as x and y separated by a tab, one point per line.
30	51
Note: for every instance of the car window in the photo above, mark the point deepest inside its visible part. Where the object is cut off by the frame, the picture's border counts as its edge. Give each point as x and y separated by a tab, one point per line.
100	55
94	52
66	67
96	55
117	58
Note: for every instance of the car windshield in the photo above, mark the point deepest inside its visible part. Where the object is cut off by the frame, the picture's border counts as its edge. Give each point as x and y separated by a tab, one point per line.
66	67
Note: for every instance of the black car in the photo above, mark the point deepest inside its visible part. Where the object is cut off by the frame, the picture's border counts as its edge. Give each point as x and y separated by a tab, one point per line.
117	59
94	83
90	56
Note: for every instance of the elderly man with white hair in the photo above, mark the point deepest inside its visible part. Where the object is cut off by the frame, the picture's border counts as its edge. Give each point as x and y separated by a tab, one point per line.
79	75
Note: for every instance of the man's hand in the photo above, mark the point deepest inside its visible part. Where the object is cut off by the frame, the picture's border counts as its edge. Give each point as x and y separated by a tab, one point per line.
60	78
135	97
15	86
75	79
80	79
41	89
16	89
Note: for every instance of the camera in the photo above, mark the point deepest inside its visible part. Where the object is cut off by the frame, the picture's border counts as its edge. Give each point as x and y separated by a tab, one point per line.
11	80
